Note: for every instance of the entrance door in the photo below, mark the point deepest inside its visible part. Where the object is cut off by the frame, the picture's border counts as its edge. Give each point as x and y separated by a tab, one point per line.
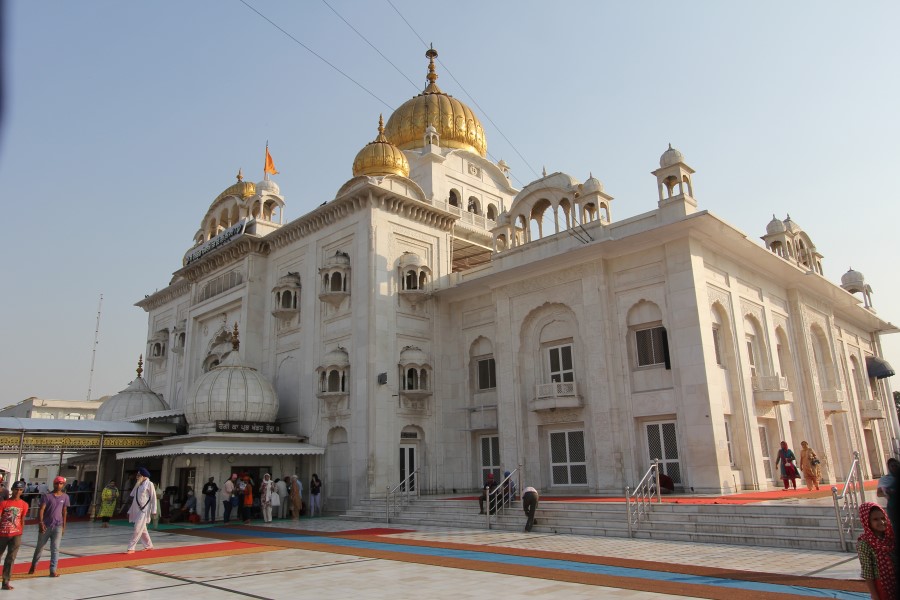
766	453
490	457
407	465
662	445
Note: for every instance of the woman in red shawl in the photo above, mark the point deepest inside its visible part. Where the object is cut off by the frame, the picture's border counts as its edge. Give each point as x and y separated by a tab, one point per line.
875	548
248	498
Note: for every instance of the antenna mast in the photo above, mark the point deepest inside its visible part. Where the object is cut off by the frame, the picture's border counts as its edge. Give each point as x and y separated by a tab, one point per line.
94	351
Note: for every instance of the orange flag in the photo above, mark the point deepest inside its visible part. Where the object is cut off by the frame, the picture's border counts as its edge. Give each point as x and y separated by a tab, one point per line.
270	164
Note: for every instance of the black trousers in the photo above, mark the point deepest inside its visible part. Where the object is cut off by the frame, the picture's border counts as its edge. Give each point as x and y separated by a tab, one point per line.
228	506
529	505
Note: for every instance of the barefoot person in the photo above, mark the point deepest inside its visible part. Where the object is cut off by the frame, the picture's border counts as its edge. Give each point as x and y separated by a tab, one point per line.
12	523
52	522
143	507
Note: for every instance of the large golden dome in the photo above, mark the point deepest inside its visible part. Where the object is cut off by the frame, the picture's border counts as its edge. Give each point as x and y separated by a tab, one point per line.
456	124
380	157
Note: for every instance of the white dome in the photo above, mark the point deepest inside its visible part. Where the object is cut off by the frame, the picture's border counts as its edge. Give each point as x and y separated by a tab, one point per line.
592	185
775	226
230	392
413	355
409	259
136	399
340	259
670	157
790	226
853	279
267	186
337	358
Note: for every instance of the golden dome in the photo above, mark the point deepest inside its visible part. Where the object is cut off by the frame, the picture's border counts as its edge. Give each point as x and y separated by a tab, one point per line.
242	189
456	124
380	157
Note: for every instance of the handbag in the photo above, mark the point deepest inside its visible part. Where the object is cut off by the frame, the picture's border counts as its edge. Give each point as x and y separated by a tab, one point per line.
276	500
815	462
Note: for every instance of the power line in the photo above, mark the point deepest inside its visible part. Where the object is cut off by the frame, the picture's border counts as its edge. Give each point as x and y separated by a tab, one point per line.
396	68
314	53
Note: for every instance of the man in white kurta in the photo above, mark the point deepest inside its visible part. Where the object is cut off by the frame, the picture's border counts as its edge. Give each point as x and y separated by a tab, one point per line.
143	507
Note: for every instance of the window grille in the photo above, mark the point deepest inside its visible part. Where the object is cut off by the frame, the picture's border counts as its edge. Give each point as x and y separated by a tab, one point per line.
220	284
567	458
652	347
490	457
728	442
662	445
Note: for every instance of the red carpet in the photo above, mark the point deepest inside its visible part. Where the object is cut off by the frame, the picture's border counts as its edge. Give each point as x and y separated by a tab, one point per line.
744	498
120	559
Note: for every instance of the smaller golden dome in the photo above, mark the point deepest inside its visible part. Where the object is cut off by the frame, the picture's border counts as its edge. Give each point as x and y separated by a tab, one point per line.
242	189
380	157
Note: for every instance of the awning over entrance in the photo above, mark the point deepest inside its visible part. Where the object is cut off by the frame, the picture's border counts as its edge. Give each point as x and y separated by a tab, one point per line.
224	447
878	367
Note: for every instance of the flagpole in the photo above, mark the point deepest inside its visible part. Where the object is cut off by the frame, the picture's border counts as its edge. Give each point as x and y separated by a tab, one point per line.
266	173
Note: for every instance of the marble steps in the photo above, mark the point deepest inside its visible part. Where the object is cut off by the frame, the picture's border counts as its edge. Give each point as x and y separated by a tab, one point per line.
781	525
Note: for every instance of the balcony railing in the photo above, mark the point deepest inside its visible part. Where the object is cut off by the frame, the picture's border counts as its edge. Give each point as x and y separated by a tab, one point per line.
771	389
833	401
559	394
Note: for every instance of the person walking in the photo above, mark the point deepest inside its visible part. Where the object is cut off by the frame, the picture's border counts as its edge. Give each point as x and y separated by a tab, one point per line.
210	490
875	548
809	464
266	491
296	497
281	489
143	506
530	499
109	499
315	496
246	491
789	470
52	524
229	497
12	524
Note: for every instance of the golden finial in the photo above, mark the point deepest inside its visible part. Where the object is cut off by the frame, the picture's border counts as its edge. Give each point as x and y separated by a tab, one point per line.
380	124
240	175
432	87
140	368
235	342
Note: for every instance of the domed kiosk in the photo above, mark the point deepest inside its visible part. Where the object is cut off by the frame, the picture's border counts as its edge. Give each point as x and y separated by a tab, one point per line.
136	399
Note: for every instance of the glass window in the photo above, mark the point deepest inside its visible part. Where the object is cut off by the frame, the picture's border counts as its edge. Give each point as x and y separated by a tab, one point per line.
561	364
652	347
487	374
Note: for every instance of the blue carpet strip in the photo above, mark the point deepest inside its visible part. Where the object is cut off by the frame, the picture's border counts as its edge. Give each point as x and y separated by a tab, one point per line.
546	563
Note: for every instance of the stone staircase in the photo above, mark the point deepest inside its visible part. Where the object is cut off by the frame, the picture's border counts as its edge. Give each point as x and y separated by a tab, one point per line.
781	525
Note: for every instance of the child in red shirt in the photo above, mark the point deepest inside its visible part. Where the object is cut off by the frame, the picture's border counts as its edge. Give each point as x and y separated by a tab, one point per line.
12	523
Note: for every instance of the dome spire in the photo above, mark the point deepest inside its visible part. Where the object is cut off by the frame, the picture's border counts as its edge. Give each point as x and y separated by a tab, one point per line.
235	341
381	137
432	87
240	175
140	368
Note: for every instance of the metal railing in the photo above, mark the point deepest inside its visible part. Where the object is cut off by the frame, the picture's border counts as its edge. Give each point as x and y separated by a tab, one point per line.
498	496
846	506
399	494
638	503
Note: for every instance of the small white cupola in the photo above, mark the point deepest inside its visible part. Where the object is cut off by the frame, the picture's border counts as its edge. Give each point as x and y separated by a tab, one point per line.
415	379
335	277
415	277
674	180
334	381
286	297
855	283
594	202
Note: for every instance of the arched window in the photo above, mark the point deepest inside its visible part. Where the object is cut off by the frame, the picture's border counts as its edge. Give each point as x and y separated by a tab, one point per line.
454	198
492	212
411	280
336	283
335	381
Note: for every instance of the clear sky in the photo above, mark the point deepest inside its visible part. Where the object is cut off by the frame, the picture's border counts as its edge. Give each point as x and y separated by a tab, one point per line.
124	120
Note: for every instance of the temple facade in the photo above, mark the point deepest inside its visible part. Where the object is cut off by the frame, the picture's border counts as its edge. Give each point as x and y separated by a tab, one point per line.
433	318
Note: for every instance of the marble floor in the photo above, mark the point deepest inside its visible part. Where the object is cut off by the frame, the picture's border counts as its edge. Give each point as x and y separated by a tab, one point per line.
292	572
